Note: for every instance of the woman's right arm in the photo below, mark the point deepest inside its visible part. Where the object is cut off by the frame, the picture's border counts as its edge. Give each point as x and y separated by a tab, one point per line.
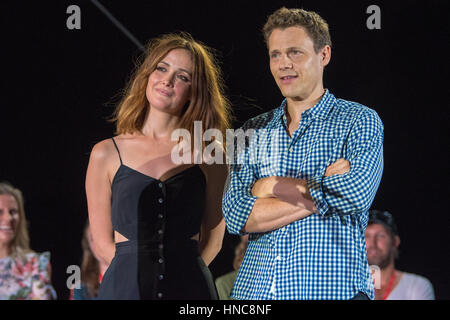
98	192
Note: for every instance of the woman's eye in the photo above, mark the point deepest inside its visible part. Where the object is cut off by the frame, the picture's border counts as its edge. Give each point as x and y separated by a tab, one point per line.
159	68
185	79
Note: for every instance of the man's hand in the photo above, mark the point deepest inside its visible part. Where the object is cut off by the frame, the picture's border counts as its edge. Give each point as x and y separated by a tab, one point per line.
341	166
263	188
290	188
285	188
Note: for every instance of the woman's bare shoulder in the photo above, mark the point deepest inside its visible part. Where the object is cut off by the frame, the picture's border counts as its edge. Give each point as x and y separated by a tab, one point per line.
127	136
106	146
107	149
102	150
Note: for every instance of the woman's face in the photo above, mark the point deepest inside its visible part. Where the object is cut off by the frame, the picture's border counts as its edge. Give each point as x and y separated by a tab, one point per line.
169	86
9	218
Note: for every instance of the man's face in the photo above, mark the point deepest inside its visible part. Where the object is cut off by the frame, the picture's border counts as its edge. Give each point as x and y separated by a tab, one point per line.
295	66
381	245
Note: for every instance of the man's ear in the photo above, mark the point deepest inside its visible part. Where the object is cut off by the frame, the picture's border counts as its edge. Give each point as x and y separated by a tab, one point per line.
396	241
325	55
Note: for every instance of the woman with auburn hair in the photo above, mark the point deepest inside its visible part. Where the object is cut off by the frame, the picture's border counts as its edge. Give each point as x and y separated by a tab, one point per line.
157	223
24	274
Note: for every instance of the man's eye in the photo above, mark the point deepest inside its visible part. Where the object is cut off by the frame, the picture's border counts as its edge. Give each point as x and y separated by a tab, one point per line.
295	53
275	55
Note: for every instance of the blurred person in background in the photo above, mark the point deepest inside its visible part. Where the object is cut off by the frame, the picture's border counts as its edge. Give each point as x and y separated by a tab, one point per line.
92	269
24	274
224	283
382	242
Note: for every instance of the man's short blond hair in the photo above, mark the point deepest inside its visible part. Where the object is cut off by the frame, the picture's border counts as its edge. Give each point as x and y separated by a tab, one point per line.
315	26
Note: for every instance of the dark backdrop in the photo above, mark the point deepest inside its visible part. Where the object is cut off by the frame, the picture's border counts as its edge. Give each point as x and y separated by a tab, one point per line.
59	86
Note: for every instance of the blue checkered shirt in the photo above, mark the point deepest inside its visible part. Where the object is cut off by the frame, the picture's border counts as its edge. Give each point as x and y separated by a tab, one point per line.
322	256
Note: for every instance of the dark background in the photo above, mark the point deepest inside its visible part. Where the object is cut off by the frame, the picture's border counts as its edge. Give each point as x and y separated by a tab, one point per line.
59	86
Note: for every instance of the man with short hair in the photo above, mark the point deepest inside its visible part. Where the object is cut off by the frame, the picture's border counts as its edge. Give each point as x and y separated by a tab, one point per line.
382	241
303	184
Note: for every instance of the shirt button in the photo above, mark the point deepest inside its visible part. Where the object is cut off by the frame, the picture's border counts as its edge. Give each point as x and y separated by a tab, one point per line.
161	260
160	200
160	295
160	246
283	229
290	149
160	184
160	231
160	216
272	288
160	277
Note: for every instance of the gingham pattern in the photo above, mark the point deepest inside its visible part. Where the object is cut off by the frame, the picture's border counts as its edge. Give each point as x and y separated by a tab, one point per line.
324	255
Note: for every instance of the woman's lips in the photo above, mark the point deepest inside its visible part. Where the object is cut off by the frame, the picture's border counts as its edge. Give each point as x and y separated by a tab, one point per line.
6	229
165	93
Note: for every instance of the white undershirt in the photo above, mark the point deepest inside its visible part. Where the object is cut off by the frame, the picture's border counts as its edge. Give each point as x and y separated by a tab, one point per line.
412	287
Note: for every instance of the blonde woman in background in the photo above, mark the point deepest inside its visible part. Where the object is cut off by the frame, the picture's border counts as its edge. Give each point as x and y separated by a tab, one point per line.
24	274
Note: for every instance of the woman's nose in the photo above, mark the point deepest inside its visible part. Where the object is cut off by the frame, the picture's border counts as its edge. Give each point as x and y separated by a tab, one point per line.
168	80
5	216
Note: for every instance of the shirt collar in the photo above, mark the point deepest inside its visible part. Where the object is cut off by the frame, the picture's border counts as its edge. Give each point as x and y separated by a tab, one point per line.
320	110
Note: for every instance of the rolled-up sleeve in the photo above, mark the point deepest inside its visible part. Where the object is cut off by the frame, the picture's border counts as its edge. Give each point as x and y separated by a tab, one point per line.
238	201
354	191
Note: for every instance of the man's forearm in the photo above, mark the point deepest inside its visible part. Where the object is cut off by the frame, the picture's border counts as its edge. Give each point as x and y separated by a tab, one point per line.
291	190
271	213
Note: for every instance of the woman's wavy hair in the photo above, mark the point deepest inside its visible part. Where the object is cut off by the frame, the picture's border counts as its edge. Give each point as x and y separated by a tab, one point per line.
20	244
208	102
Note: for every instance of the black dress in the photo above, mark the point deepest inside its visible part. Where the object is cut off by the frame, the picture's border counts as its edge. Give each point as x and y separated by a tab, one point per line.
160	261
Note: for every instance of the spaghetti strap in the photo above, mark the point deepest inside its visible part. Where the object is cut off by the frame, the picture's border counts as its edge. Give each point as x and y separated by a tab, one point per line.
117	150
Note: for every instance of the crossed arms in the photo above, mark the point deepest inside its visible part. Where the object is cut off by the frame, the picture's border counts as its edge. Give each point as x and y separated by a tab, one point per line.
283	200
252	205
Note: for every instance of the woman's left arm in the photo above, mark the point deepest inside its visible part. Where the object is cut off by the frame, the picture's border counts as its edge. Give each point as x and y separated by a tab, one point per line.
213	223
